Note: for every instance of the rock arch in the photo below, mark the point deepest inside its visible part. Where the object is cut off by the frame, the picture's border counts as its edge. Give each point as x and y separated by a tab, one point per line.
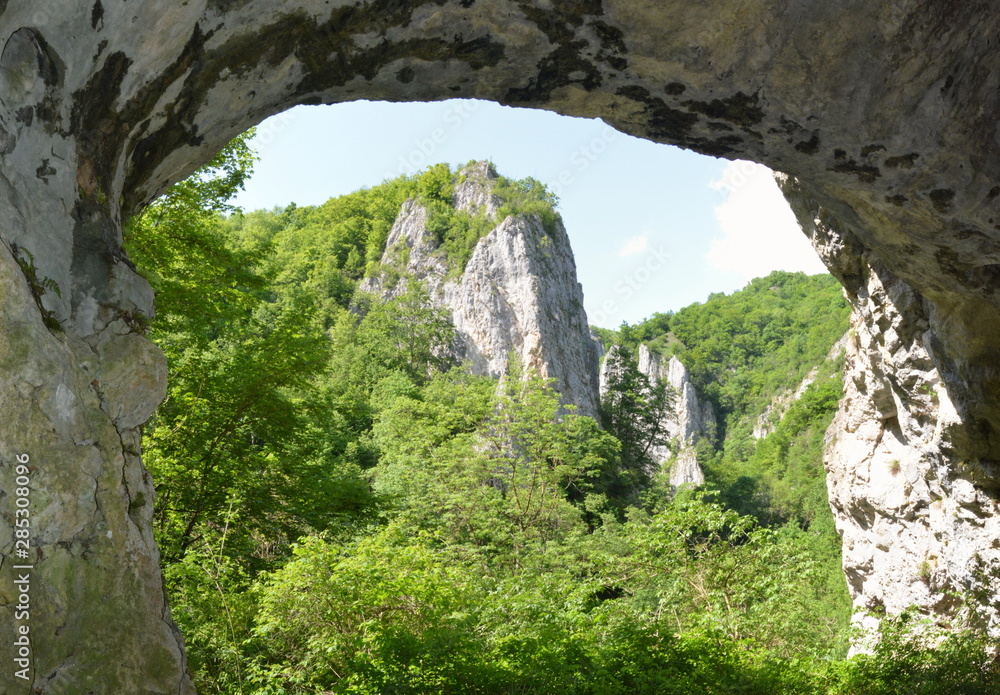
883	115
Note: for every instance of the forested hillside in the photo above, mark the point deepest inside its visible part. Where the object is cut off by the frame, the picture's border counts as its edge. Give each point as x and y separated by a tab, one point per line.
765	358
748	354
340	510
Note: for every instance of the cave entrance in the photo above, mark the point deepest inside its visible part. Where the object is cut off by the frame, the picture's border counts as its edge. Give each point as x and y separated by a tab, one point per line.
644	219
106	104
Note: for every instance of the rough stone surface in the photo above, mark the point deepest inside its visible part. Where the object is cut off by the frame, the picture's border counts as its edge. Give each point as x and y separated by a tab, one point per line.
518	293
684	425
919	517
688	421
886	115
97	614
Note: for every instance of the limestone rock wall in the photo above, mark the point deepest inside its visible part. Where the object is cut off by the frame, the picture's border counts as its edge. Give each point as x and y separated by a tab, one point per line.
689	421
93	605
518	293
919	513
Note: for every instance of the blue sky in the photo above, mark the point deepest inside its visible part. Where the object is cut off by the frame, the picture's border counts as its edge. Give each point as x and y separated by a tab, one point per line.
653	227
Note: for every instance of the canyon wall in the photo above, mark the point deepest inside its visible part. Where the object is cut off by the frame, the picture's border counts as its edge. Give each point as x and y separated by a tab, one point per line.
684	424
917	510
689	421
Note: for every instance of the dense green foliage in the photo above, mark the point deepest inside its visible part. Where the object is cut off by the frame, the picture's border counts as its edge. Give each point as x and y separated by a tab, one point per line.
743	348
744	352
458	231
747	353
342	511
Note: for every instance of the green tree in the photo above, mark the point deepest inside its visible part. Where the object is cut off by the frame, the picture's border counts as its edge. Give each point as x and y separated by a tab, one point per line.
241	367
498	482
633	409
243	424
201	281
912	656
701	566
380	614
408	331
228	428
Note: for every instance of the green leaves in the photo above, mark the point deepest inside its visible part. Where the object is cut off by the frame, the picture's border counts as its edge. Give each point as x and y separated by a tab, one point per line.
230	422
633	410
527	197
458	231
743	351
342	511
201	281
914	657
384	611
740	349
491	470
408	332
703	566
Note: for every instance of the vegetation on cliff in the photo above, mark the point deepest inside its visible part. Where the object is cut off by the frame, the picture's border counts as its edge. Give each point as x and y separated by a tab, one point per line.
340	511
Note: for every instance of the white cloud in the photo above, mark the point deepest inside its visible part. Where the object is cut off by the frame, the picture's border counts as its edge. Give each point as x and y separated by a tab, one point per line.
759	231
636	244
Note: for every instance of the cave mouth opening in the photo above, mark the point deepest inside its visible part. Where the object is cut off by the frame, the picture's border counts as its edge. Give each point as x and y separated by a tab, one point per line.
906	184
635	195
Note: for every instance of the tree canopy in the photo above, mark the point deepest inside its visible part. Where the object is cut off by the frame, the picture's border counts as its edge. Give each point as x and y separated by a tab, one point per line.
341	510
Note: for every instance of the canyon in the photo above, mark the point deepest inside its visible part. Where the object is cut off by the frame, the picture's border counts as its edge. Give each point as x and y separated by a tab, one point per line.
881	116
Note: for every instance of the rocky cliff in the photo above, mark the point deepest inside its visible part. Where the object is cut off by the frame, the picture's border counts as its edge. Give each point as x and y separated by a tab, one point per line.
518	294
919	513
689	420
82	555
685	423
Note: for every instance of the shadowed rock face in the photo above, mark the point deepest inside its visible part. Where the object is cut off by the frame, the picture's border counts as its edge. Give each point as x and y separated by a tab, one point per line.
883	114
